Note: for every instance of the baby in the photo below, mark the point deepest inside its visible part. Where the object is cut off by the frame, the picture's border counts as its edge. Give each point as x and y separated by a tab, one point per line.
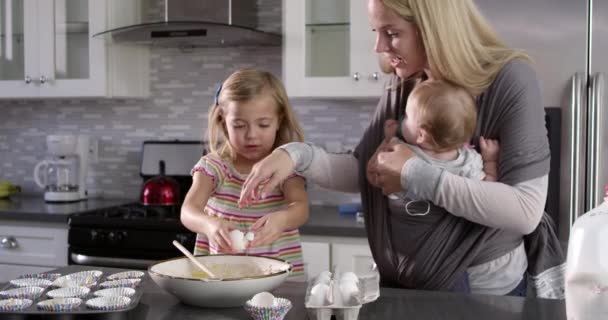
439	122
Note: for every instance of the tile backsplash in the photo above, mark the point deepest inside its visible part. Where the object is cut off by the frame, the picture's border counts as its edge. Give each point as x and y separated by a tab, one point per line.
182	88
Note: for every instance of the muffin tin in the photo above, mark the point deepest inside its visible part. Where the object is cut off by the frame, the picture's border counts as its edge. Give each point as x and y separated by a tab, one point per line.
53	296
368	290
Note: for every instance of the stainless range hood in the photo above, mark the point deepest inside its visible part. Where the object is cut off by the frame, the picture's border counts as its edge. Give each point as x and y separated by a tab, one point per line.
200	23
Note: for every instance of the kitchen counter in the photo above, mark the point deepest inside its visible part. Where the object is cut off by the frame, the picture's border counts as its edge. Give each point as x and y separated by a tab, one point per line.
156	304
34	208
324	220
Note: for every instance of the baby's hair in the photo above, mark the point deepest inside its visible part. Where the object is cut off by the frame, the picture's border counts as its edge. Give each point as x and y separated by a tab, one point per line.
447	112
242	86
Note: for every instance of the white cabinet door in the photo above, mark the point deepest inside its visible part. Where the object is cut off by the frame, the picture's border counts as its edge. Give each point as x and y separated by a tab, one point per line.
316	258
356	258
33	244
72	61
53	52
18	47
328	50
9	272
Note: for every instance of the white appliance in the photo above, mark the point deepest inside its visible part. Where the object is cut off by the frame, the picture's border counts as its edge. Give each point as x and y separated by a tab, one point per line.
568	41
62	174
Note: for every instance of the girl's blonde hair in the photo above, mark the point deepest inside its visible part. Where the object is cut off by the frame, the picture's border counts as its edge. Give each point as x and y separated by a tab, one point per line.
242	86
446	112
460	45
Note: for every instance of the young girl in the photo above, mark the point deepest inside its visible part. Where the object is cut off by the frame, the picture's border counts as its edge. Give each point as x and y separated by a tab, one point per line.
439	122
250	118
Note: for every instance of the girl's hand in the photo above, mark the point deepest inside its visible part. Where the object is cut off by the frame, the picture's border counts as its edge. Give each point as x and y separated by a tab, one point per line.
266	175
268	228
218	233
390	130
389	164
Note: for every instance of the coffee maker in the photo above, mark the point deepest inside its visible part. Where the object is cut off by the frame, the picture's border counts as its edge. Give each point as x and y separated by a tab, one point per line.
62	174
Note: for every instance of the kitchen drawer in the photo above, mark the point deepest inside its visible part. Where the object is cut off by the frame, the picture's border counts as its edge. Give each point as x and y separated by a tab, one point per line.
34	244
9	272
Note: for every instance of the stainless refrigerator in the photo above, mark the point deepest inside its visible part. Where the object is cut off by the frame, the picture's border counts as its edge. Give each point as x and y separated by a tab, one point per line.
568	40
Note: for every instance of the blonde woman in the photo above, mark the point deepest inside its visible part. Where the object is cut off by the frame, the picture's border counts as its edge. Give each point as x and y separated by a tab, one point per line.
249	119
472	239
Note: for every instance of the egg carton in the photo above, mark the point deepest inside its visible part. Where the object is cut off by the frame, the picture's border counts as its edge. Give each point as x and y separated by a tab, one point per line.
31	299
368	291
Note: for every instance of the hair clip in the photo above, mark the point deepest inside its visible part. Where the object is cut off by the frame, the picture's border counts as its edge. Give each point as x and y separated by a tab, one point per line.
217	95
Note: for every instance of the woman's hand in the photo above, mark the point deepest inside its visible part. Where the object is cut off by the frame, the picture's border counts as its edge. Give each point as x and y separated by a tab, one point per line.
389	164
218	233
268	228
265	176
390	130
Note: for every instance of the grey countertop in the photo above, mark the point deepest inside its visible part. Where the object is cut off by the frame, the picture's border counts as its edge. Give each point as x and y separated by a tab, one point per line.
156	304
33	208
324	220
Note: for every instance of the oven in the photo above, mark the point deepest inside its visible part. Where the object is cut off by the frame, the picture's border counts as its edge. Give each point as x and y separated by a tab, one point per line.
129	236
135	235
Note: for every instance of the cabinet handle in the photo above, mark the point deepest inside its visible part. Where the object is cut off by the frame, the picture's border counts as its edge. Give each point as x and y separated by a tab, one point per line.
9	242
375	76
356	76
28	80
42	79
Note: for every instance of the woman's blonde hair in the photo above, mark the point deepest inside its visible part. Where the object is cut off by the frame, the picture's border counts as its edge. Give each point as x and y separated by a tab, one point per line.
460	45
242	86
446	112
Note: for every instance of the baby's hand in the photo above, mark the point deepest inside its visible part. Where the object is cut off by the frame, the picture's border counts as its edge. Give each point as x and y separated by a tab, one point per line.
218	233
489	149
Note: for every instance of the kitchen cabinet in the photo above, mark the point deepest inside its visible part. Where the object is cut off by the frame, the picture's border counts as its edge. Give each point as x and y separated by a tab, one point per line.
328	50
342	253
30	247
47	50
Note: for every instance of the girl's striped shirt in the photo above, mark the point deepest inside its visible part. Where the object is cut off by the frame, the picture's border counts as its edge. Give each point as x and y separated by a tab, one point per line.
223	203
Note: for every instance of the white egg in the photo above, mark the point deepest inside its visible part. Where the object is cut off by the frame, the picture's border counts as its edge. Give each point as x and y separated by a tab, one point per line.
349	290
237	240
318	294
263	299
349	276
249	236
323	277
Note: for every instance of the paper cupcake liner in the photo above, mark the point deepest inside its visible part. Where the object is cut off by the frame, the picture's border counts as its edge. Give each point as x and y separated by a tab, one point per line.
31	282
59	304
14	304
108	303
47	276
87	273
279	309
75	281
115	292
69	292
32	293
130	283
127	275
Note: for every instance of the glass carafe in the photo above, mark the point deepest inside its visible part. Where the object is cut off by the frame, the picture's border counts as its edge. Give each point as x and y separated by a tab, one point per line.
58	173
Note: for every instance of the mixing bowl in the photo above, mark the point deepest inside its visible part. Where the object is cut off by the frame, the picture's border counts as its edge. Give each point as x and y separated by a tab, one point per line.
241	278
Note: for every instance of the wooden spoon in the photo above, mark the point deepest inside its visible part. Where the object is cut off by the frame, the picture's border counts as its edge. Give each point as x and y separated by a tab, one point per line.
193	259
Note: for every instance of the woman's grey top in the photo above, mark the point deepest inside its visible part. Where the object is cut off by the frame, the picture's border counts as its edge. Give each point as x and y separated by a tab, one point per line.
433	252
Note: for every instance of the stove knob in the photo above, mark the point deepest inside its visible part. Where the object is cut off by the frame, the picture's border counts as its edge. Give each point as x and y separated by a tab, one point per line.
97	236
115	237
